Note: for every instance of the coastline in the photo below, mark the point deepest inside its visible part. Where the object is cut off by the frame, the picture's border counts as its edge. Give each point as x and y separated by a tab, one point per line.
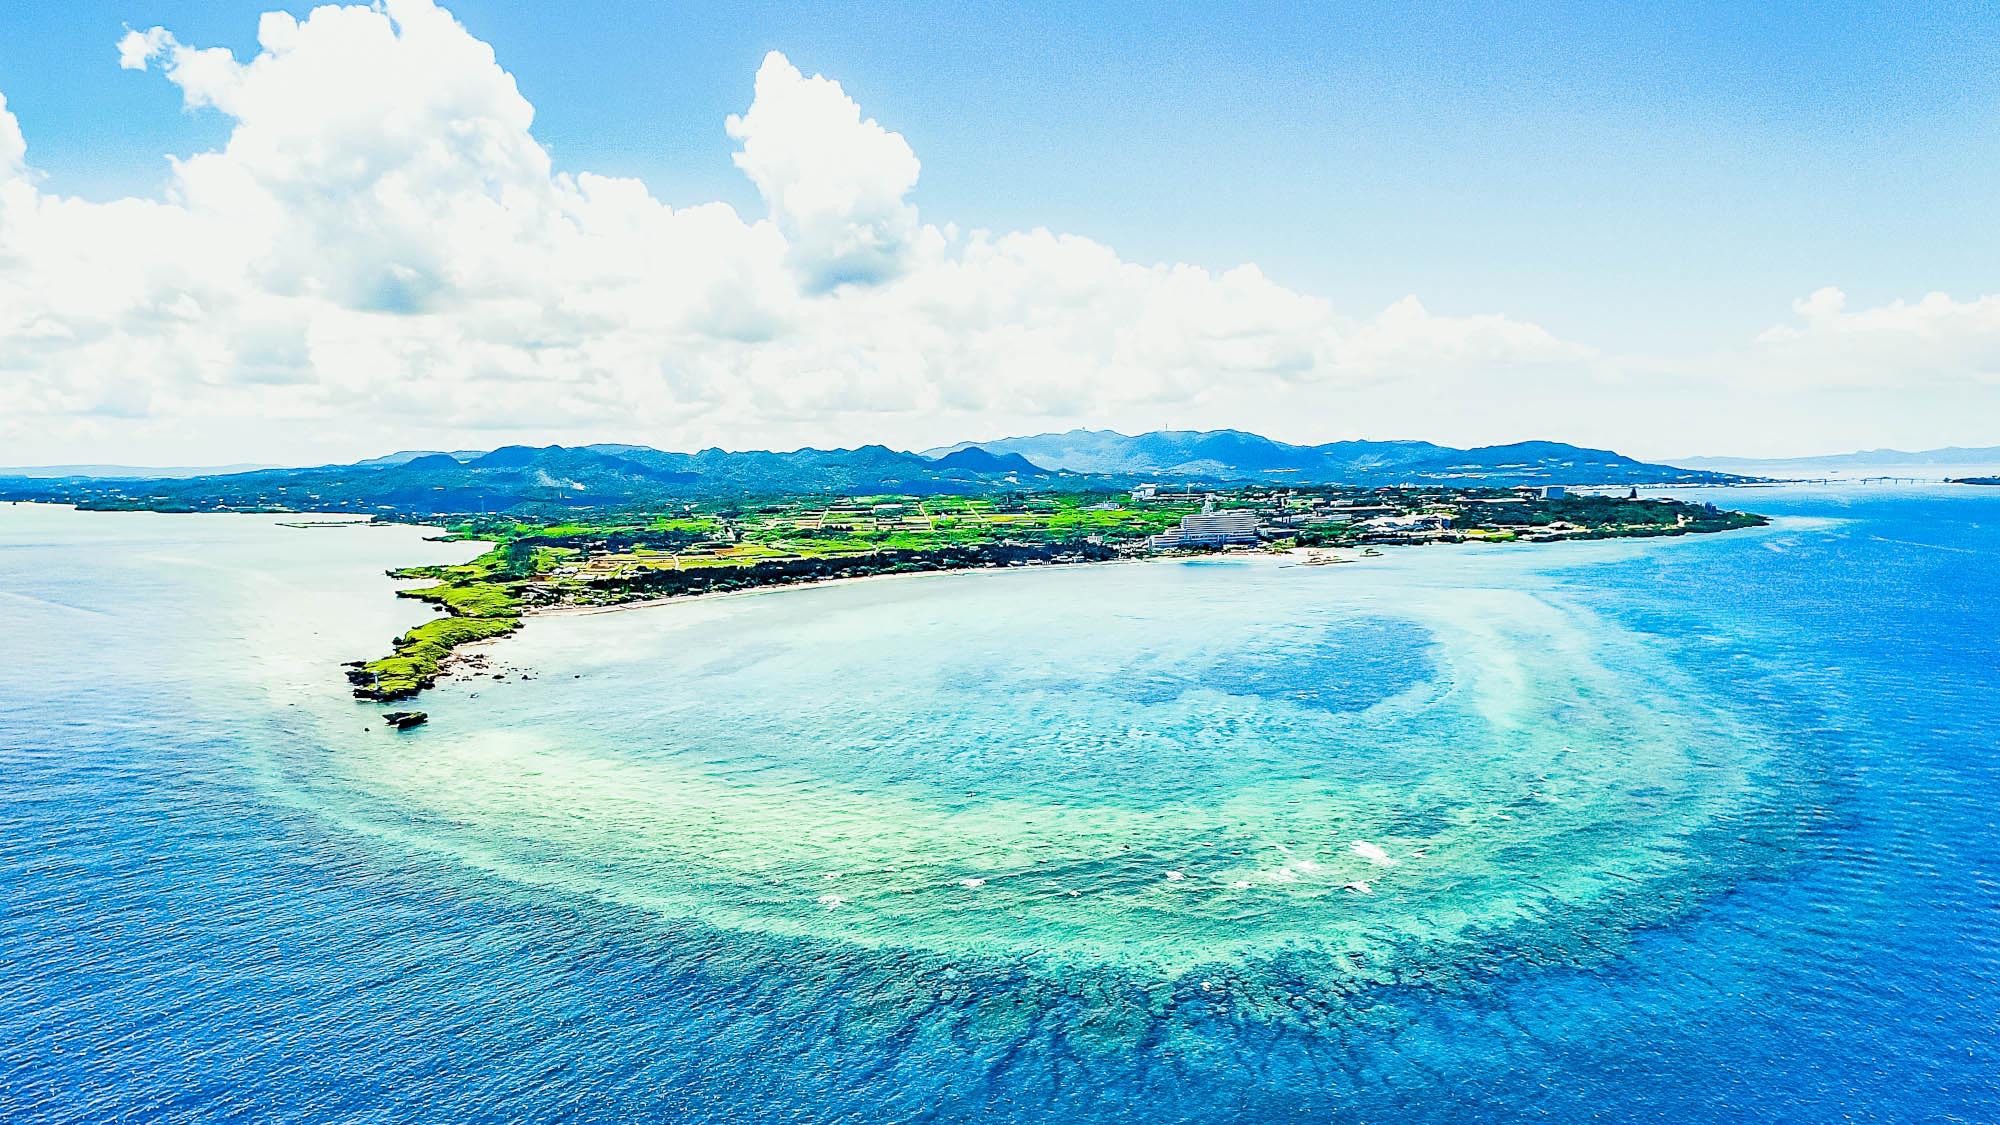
496	592
583	568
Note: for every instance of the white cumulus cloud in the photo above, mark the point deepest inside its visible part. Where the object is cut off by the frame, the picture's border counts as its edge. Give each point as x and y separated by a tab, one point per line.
833	181
1935	340
381	253
13	147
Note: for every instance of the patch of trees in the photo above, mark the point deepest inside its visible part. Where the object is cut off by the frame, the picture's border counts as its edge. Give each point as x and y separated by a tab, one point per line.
1338	534
617	542
699	580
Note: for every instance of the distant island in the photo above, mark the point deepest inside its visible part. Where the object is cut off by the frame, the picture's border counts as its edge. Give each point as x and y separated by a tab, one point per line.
1934	464
607	525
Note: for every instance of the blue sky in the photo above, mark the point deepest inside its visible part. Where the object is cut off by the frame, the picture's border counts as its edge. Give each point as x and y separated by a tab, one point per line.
1659	182
1654	177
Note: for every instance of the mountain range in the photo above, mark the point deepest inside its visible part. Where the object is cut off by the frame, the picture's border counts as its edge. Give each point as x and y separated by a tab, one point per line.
518	478
1232	455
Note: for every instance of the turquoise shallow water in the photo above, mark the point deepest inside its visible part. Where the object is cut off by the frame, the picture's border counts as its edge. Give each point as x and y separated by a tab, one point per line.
1687	831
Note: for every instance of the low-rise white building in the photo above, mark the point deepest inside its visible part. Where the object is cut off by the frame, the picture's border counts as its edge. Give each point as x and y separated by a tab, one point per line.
1415	521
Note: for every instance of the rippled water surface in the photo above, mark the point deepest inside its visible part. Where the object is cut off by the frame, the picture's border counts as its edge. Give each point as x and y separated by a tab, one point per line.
1689	831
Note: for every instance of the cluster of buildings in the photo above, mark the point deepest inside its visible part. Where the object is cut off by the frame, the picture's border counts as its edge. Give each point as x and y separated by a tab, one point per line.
1280	515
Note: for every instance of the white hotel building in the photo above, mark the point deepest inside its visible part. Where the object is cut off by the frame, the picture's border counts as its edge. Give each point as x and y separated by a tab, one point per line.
1209	528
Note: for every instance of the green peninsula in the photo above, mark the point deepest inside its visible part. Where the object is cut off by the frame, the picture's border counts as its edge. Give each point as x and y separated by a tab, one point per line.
481	600
560	557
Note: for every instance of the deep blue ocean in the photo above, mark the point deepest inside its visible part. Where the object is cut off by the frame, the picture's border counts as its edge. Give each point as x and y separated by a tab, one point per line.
1690	831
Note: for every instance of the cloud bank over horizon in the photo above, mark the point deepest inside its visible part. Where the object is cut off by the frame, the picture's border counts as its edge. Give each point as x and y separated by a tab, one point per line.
383	255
